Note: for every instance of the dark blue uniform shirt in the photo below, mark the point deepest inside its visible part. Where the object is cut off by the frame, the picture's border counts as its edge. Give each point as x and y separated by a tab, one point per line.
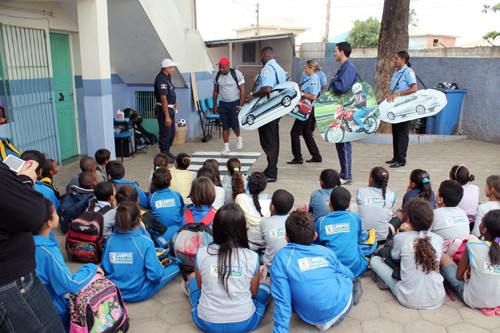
164	86
346	76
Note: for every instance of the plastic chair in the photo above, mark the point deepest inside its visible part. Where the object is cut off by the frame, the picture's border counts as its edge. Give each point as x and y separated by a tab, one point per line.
211	119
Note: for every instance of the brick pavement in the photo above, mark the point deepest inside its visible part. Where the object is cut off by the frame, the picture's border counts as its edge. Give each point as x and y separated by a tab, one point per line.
378	311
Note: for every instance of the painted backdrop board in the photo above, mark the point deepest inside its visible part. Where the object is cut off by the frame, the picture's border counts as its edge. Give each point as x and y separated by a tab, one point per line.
334	114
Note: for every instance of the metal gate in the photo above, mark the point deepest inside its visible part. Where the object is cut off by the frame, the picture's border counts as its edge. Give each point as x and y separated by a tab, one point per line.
28	88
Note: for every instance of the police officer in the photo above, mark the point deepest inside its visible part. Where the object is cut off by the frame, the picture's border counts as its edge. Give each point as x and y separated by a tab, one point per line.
270	75
166	104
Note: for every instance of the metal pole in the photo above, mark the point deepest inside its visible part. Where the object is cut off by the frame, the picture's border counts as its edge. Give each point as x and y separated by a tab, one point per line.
258	24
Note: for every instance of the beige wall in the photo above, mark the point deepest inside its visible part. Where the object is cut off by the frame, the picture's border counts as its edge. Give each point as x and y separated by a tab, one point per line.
267	31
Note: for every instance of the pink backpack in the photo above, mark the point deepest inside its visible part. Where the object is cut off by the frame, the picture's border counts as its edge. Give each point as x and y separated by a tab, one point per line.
98	308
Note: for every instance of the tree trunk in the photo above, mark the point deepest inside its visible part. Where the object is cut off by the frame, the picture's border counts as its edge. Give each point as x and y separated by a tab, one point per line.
393	38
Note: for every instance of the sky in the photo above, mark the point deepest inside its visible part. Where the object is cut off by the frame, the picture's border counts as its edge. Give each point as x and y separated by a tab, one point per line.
462	18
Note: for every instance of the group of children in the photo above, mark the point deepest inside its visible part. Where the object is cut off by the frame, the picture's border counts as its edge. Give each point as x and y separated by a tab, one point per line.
313	256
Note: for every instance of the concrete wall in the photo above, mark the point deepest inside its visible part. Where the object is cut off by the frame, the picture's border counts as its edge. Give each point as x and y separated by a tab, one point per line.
480	76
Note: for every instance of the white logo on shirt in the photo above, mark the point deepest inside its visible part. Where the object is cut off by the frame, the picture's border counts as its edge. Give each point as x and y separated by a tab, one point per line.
266	72
121	257
306	264
165	203
279	232
236	271
375	202
337	228
451	220
490	268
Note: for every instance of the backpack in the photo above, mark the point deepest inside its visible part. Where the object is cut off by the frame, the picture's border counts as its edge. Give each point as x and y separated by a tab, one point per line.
85	239
185	243
98	307
233	74
7	148
72	206
206	220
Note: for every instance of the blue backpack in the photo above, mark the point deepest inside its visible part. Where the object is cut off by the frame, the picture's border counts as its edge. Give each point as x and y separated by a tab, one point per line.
72	206
7	148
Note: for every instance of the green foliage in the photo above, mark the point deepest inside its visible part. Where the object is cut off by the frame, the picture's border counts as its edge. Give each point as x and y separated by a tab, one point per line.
412	20
486	9
364	34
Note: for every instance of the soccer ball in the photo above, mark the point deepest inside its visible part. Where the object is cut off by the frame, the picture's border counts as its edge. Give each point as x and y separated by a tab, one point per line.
181	123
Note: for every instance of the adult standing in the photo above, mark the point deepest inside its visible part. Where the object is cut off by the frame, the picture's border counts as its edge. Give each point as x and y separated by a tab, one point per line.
229	88
270	75
25	304
340	84
403	83
166	104
310	87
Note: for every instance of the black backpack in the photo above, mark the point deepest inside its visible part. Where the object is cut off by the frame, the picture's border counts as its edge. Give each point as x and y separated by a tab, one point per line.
233	74
72	206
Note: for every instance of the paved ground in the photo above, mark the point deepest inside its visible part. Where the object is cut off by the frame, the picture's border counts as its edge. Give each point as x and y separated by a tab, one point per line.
378	311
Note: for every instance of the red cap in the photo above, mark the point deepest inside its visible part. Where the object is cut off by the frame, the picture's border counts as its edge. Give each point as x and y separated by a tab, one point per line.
223	61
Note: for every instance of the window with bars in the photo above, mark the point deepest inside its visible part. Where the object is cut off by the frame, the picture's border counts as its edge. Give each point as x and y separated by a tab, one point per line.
145	104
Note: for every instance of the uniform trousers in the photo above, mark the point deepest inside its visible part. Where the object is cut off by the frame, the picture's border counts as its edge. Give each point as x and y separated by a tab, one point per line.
167	133
344	151
270	142
400	138
306	129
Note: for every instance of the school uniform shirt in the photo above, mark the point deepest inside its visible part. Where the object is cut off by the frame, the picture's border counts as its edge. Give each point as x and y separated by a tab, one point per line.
47	191
416	289
228	87
252	216
312	279
482	290
271	74
414	194
311	86
319	204
130	261
216	305
56	276
470	201
143	200
109	217
220	196
345	78
272	231
168	207
339	231
402	79
375	212
450	223
481	211
182	181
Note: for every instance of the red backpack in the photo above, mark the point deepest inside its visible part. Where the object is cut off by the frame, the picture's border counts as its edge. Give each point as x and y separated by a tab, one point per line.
207	220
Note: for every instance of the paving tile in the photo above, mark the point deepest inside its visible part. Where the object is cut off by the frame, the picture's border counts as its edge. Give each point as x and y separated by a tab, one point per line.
144	310
444	315
365	310
381	325
477	318
183	328
176	313
349	325
420	326
154	325
393	310
465	328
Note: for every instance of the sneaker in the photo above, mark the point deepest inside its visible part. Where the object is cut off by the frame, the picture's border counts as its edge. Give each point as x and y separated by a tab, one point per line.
239	143
345	181
357	290
380	283
185	288
497	310
225	151
487	312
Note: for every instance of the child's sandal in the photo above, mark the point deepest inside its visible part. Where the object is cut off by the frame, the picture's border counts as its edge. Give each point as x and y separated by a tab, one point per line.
487	312
497	310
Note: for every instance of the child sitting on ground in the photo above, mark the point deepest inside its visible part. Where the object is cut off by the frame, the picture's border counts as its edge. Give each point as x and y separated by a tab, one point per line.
224	290
102	157
476	279
255	204
160	160
166	205
52	270
214	164
105	195
339	231
182	179
210	173
470	199
375	204
272	229
309	277
419	187
49	170
419	250
87	163
235	182
130	258
450	222
202	195
492	191
116	171
319	205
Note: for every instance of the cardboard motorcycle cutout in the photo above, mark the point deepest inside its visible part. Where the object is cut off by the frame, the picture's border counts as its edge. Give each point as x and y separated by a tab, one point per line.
336	115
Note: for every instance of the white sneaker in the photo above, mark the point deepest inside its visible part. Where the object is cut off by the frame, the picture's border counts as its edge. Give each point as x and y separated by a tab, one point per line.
239	144
345	181
225	151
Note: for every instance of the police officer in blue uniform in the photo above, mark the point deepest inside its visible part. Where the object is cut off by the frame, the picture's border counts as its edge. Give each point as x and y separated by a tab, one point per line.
403	82
345	78
166	104
270	75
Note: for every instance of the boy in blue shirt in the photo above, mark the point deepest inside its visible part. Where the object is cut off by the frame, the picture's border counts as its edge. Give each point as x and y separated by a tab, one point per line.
166	205
310	277
52	270
115	172
340	231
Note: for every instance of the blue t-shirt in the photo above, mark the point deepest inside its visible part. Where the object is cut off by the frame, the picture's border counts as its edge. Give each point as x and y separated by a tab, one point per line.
269	73
339	231
345	78
163	86
311	86
143	200
168	207
403	79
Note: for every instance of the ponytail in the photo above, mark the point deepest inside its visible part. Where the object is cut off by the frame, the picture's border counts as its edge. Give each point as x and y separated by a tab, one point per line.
128	216
380	177
461	174
237	183
422	182
425	255
256	184
491	222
